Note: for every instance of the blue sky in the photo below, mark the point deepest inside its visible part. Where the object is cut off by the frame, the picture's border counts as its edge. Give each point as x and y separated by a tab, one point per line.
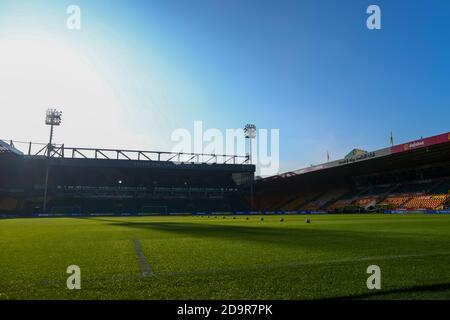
309	68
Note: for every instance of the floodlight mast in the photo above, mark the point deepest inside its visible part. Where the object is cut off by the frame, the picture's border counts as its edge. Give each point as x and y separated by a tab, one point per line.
250	134
53	118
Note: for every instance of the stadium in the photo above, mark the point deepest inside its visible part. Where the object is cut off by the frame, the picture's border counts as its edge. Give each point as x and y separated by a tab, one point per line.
159	225
190	163
411	177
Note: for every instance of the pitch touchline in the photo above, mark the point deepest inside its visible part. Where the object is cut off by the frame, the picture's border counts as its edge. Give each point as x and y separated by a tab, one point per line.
295	264
143	262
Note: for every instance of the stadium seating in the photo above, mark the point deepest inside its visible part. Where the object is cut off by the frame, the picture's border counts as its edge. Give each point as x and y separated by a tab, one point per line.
280	202
262	203
426	202
409	188
426	195
365	202
411	195
299	200
394	201
7	204
340	204
325	198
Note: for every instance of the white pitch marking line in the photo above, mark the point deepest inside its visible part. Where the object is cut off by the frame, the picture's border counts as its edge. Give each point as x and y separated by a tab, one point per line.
143	262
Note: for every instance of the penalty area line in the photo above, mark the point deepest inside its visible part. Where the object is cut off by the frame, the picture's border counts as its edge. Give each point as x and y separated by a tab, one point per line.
146	269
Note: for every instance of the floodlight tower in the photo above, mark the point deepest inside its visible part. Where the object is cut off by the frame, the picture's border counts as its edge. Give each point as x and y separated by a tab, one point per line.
250	134
53	118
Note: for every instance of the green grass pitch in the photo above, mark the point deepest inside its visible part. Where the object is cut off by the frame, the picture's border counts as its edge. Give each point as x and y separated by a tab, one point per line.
217	258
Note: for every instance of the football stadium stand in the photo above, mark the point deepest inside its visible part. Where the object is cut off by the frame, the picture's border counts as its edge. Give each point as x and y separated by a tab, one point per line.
299	200
83	180
340	204
426	202
393	202
410	176
326	198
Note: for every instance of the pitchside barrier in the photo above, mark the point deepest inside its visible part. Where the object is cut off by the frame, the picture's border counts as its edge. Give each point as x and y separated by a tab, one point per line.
69	215
302	212
8	216
75	214
417	211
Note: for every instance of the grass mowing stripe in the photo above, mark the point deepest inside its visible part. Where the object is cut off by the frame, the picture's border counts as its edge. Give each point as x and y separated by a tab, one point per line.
21	285
299	264
143	262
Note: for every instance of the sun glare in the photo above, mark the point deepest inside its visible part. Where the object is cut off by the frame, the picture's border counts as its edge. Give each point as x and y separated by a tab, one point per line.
38	73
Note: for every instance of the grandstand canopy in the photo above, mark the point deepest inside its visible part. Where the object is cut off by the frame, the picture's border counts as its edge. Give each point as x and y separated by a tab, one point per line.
423	153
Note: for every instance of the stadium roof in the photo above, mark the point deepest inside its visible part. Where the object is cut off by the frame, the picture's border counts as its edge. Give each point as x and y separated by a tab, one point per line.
95	157
394	154
8	148
60	151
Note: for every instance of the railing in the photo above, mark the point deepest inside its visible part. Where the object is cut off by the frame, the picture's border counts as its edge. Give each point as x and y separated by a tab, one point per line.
8	148
61	151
